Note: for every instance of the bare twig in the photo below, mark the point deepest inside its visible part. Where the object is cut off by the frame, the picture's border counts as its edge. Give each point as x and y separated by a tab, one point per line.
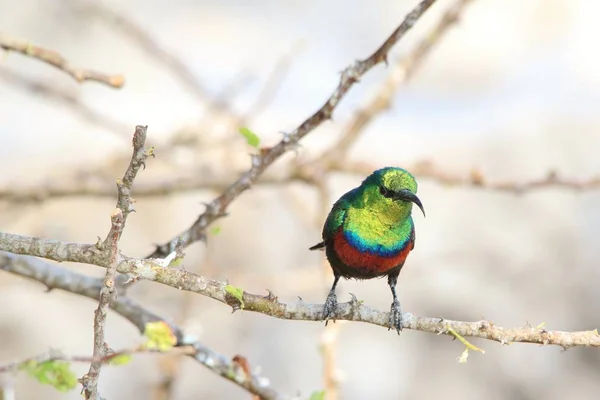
55	59
90	380
55	355
138	160
350	76
401	72
156	270
87	184
111	246
56	277
476	179
92	186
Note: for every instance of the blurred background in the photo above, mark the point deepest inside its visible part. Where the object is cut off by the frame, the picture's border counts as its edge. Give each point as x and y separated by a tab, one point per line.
508	94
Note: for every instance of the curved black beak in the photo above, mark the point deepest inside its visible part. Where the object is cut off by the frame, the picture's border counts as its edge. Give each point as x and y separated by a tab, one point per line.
407	195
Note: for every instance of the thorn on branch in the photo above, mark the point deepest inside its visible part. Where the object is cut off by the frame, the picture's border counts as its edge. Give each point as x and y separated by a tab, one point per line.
242	363
351	75
354	305
271	296
259	164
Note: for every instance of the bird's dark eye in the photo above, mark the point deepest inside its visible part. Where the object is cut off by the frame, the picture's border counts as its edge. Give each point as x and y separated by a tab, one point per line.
384	191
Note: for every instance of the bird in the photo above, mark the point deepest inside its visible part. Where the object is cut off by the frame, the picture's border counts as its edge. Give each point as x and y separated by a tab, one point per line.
369	233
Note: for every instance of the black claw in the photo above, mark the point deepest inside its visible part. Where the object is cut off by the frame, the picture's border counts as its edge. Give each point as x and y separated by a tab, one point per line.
353	299
330	308
396	317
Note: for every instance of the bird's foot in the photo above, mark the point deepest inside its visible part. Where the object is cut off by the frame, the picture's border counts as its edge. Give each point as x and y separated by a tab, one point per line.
396	317
330	309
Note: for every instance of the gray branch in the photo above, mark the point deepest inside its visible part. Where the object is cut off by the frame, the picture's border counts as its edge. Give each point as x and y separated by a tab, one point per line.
156	271
350	76
110	250
53	58
56	277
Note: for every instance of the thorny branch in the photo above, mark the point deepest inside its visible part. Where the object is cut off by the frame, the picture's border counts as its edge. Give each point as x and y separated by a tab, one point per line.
401	72
331	160
89	186
55	59
55	355
110	247
56	277
476	179
155	270
90	380
350	76
106	254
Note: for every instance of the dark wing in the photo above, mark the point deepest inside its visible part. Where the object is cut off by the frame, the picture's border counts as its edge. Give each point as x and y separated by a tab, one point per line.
335	219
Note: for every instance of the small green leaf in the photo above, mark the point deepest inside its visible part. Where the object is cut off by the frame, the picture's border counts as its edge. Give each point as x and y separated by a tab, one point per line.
55	373
468	346
540	326
236	292
160	336
176	262
120	359
251	137
215	230
317	395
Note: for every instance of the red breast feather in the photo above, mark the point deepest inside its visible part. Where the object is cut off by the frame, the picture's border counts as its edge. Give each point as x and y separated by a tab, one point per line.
364	264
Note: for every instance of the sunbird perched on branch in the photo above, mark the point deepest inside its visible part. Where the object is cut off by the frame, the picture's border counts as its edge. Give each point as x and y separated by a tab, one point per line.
369	233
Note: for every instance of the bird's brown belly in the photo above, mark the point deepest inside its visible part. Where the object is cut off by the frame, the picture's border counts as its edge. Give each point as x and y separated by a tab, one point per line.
365	264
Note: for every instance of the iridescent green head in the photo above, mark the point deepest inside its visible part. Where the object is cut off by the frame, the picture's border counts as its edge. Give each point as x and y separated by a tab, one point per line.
395	186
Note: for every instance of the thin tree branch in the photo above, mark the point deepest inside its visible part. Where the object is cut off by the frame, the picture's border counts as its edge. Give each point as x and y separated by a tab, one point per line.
56	277
94	186
476	179
155	270
55	355
111	246
90	186
351	311
350	76
138	160
56	60
401	72
90	380
333	159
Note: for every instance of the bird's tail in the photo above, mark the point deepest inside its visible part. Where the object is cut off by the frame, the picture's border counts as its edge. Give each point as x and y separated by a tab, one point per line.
318	246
